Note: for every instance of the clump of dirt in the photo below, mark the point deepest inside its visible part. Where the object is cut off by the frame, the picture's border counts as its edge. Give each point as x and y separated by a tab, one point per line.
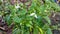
4	28
55	31
55	20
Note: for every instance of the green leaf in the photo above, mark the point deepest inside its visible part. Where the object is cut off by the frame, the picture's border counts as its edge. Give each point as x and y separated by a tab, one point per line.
40	30
16	31
22	12
48	31
47	19
8	20
16	19
36	31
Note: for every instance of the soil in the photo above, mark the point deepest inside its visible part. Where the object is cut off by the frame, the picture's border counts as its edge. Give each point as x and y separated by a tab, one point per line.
56	31
55	20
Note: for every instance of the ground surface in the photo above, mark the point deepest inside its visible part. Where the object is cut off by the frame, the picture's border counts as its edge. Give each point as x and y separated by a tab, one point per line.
55	21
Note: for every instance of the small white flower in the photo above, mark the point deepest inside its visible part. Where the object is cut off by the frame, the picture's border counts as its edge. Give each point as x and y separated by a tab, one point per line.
32	14
35	16
17	6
